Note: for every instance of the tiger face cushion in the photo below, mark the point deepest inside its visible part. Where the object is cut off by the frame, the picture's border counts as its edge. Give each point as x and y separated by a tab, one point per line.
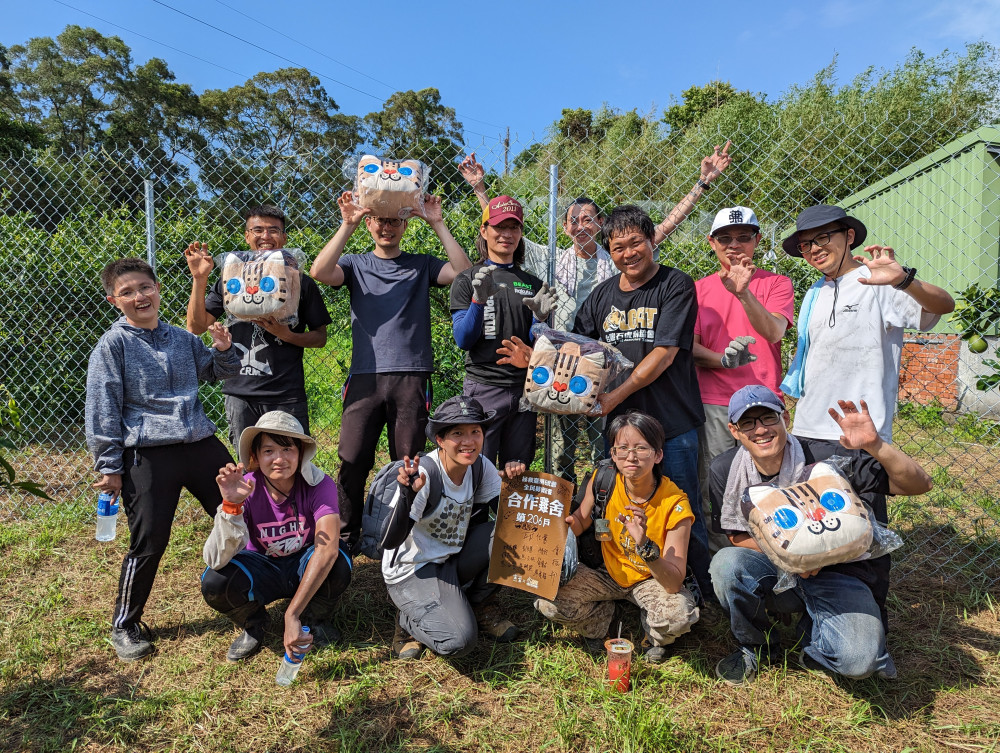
391	188
563	379
261	285
817	522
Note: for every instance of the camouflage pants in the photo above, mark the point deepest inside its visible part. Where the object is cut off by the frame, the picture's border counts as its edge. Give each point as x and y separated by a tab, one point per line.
586	605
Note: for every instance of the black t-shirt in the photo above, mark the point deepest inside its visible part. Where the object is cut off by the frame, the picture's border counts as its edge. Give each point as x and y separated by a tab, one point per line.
661	313
270	369
505	315
869	480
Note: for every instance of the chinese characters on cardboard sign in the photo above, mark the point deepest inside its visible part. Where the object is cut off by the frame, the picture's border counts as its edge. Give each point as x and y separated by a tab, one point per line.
530	533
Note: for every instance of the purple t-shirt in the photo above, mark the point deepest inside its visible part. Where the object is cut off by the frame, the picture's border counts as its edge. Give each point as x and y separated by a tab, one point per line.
278	529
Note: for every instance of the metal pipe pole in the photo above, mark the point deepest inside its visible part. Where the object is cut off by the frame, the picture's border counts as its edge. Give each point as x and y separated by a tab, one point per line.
150	225
553	237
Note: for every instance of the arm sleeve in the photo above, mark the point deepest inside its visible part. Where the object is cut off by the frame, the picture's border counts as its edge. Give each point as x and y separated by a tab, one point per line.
781	299
407	508
213	300
213	365
467	325
229	536
434	267
103	409
585	324
678	310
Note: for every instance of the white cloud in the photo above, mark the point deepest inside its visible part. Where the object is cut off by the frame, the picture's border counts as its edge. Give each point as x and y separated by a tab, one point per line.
967	20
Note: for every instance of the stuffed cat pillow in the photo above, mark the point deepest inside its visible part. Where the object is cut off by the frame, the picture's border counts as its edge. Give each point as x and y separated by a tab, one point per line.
262	285
817	522
391	188
564	377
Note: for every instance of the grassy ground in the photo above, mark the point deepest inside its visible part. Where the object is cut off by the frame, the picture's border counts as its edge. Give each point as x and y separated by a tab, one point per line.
61	687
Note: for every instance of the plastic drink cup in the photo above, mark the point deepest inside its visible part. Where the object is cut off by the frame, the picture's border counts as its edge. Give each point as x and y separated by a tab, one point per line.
619	663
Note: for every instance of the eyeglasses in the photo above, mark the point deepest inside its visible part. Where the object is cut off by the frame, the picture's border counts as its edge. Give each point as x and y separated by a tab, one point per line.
641	451
258	232
725	240
129	295
390	221
819	241
746	425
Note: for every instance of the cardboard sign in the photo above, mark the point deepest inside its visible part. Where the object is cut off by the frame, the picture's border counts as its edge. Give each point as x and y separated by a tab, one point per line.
530	535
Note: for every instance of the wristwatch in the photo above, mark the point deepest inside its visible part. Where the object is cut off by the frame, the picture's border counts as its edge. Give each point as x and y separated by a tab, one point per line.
649	551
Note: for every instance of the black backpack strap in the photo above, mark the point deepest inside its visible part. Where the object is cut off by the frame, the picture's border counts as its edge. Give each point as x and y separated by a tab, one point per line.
605	475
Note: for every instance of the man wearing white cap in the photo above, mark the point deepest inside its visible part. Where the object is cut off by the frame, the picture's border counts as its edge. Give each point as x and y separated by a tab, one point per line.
743	313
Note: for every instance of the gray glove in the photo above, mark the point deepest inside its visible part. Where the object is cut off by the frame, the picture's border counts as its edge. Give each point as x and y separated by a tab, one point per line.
542	303
738	353
482	285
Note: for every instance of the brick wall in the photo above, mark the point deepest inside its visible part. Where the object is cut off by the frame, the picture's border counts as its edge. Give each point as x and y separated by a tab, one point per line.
929	369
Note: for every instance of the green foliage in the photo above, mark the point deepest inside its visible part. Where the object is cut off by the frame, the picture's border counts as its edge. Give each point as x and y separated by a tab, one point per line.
10	424
928	416
971	428
698	101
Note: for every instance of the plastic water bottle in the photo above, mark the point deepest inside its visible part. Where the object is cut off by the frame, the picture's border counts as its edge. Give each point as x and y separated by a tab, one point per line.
107	517
290	665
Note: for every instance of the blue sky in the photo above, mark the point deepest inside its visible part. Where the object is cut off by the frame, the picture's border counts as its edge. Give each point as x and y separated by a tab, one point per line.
517	64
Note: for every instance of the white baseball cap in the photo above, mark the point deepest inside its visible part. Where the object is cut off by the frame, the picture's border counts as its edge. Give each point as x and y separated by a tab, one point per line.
734	216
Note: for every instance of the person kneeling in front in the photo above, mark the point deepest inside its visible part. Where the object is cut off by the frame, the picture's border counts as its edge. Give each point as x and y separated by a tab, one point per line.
276	536
437	551
843	626
645	558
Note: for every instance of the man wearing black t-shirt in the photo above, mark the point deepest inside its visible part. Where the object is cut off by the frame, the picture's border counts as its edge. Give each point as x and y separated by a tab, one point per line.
844	625
648	312
391	355
271	375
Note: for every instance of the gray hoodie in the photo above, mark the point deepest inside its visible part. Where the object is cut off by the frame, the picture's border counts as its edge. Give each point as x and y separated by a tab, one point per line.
142	390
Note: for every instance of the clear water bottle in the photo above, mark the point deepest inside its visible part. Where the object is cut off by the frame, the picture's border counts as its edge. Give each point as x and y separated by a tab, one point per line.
107	517
290	665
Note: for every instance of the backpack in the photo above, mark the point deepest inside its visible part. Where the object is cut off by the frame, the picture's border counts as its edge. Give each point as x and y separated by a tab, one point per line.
604	475
378	503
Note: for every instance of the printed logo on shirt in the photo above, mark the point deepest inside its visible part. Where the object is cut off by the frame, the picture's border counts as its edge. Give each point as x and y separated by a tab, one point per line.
250	364
490	319
283	537
522	288
634	325
850	308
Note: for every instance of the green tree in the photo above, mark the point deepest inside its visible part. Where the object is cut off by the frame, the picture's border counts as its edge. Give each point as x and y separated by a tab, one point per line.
699	100
278	138
415	124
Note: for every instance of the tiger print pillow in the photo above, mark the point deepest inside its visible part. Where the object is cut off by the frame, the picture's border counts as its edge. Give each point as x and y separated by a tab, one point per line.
391	188
262	285
817	522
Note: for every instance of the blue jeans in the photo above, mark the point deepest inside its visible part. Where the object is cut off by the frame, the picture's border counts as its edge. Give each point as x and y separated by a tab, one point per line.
680	465
846	637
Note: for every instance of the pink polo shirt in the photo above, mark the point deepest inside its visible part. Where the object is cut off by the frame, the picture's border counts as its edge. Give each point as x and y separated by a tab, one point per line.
721	319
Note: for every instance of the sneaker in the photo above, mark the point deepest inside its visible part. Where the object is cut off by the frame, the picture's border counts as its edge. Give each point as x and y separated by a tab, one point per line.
492	622
247	643
132	642
737	669
325	633
655	654
404	645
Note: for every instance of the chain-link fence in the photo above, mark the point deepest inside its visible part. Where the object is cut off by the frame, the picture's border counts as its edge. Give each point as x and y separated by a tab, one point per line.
928	188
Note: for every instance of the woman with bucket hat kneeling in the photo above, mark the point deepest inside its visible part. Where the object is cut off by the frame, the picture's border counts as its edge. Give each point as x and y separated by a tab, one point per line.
438	538
276	536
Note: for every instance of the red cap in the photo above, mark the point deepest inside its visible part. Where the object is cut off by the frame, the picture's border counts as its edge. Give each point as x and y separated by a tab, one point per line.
503	208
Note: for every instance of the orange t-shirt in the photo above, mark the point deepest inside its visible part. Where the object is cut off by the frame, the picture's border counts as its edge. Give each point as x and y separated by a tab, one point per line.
666	509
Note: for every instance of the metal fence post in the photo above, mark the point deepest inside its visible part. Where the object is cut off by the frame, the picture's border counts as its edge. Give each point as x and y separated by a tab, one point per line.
553	237
150	225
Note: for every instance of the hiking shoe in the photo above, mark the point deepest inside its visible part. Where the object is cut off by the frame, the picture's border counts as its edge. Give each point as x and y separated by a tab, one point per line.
247	643
132	641
737	669
404	645
324	633
492	622
655	654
